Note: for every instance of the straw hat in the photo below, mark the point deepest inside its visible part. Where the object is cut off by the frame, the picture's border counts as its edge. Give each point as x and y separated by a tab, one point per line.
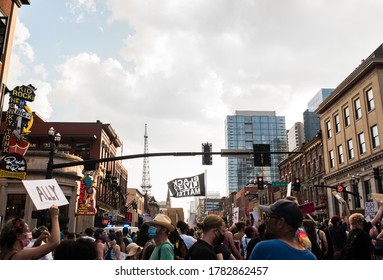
132	249
162	220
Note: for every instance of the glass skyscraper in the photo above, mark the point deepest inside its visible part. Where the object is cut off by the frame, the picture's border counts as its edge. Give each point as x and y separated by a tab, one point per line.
310	118
246	128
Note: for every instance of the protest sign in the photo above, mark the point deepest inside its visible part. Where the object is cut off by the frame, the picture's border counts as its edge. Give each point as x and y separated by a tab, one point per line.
44	193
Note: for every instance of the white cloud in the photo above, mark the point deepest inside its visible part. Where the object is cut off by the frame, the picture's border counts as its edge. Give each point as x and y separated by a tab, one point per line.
80	8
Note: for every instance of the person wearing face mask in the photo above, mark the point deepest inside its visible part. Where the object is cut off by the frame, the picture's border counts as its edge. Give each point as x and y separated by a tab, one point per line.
159	229
15	237
213	228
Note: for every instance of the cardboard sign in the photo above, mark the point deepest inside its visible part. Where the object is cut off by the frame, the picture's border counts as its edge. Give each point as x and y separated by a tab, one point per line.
307	208
378	197
45	193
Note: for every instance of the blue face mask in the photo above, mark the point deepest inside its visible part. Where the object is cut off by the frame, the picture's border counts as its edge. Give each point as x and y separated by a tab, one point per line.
152	231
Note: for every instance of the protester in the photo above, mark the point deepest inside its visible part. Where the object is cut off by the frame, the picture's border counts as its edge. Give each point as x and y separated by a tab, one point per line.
249	234
184	228
76	249
359	245
282	221
40	236
213	228
338	233
125	236
120	241
15	237
237	237
301	233
255	240
143	235
310	228
229	242
133	251
113	251
159	229
88	234
179	245
100	240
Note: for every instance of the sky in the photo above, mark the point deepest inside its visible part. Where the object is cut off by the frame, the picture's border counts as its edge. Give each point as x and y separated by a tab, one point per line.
182	66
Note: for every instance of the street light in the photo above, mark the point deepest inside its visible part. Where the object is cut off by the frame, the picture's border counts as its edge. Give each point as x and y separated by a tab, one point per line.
54	141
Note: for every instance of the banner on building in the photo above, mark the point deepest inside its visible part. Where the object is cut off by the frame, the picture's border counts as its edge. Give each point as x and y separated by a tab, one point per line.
189	186
45	193
86	204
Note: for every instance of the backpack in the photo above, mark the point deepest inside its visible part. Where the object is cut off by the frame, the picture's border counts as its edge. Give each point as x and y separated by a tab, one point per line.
180	249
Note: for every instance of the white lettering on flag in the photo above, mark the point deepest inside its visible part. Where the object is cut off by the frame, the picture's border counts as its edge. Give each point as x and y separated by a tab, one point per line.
189	186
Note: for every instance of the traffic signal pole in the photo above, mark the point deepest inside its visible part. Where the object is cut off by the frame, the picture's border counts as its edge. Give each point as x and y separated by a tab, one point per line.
244	153
335	188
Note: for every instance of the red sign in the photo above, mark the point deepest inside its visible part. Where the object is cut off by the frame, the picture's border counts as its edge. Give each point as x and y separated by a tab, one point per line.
307	208
339	188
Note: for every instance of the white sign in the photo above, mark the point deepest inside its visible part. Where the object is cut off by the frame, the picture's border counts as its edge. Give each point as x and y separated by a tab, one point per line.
45	193
369	209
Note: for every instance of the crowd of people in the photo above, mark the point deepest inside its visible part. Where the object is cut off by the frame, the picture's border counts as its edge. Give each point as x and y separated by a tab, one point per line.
284	233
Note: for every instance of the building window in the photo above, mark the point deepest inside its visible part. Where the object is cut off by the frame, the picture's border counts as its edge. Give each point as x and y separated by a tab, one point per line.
337	123
362	143
328	126
375	136
358	109
350	149
332	160
347	120
370	100
340	154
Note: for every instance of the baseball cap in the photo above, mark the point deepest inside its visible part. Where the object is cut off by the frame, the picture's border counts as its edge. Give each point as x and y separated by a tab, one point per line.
286	209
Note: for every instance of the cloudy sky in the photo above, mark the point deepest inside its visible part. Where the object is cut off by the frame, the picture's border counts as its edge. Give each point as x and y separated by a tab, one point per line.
182	66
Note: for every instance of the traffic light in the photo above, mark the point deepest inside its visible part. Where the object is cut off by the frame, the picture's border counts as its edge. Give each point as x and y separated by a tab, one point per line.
262	155
260	182
377	173
114	182
206	157
297	184
340	188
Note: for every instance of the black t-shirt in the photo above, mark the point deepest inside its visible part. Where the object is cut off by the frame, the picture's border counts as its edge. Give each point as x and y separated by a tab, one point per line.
338	235
251	245
359	246
201	250
222	249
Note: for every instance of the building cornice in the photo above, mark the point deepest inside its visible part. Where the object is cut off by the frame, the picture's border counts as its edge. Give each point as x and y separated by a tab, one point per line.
359	166
373	61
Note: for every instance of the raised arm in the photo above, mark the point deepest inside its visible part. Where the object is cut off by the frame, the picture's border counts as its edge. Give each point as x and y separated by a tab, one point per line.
378	215
54	240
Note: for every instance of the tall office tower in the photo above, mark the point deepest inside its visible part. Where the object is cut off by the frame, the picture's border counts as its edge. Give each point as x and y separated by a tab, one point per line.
295	136
246	128
310	118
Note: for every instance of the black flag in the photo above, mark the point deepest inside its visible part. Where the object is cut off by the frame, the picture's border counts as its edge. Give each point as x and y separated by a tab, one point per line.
189	186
